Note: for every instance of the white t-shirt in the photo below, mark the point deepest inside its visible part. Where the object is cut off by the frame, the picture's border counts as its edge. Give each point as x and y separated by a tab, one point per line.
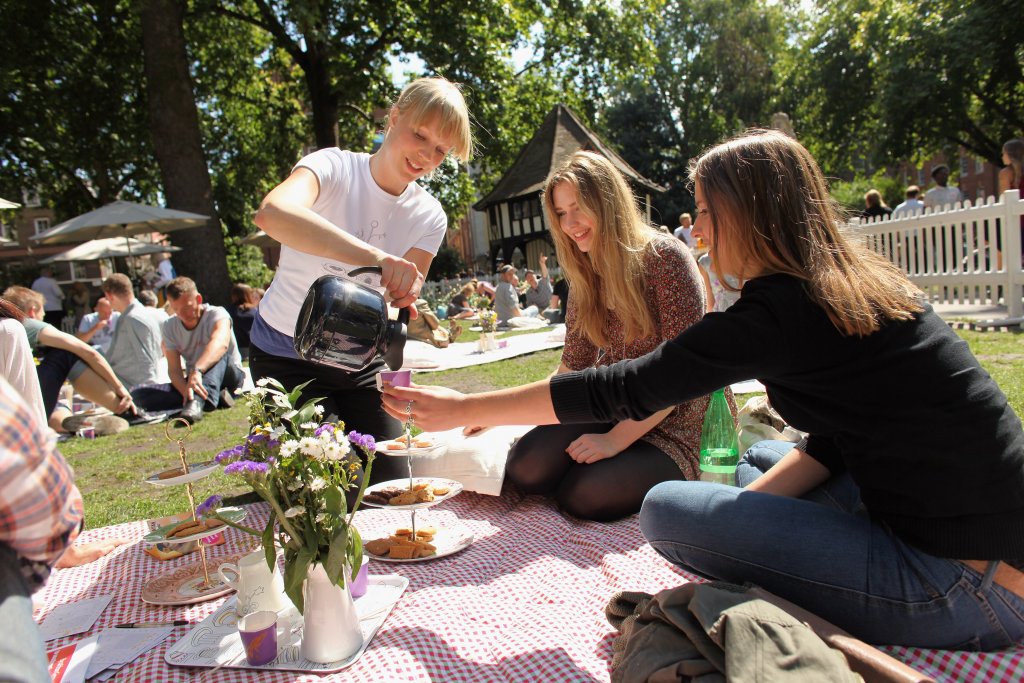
351	199
938	197
190	344
908	208
18	368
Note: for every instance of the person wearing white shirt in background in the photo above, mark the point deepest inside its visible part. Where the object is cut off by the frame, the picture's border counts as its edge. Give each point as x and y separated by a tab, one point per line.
941	195
911	206
53	310
683	232
97	328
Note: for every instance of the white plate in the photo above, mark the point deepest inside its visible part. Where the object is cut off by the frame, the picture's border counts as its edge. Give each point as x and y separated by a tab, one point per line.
160	535
435	450
195	472
454	488
447	540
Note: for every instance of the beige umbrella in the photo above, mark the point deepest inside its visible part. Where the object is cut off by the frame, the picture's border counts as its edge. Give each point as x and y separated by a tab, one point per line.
109	247
4	204
259	239
120	219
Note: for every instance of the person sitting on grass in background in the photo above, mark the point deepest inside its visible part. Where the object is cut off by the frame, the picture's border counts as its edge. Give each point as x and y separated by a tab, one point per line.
66	357
97	328
149	299
135	351
632	290
459	307
200	335
506	301
912	473
538	290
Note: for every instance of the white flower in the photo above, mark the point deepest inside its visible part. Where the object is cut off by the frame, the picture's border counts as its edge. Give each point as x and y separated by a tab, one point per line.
310	445
321	517
262	381
295	511
318	409
288	448
277	432
335	451
309	425
281	400
318	484
294	485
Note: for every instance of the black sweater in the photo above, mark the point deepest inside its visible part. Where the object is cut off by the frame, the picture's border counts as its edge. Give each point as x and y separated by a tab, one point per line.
924	431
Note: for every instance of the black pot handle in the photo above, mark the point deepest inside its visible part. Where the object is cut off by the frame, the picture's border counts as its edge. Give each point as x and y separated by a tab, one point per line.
403	313
366	269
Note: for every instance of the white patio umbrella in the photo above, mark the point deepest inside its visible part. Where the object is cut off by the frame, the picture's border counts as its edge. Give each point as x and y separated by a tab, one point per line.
120	219
109	247
4	204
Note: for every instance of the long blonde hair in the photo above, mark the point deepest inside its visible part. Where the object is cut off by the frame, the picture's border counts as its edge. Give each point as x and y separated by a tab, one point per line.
611	275
427	97
1015	150
771	211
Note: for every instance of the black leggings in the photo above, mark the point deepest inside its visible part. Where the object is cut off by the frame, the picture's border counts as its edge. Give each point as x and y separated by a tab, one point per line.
603	491
350	397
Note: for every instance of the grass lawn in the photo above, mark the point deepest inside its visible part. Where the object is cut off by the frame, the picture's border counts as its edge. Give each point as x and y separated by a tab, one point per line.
109	470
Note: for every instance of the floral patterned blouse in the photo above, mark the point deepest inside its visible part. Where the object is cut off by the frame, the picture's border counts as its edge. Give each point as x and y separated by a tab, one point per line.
674	291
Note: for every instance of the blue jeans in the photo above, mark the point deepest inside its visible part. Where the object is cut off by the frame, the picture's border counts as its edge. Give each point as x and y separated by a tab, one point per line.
823	553
222	375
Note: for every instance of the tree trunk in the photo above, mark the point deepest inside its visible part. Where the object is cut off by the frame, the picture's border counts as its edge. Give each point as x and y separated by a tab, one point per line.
177	141
323	101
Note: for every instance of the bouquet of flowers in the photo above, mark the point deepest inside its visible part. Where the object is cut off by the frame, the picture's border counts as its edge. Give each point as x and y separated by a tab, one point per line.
488	320
303	468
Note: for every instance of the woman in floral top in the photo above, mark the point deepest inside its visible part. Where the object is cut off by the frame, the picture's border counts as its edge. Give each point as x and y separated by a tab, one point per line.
631	290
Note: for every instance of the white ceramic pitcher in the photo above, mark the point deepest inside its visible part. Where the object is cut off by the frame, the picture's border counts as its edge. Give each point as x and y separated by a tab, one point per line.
258	588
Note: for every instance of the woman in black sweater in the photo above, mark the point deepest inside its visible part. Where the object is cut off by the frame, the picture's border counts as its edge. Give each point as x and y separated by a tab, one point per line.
901	516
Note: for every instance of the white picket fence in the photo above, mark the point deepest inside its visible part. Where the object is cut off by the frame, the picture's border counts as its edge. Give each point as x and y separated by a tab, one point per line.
951	253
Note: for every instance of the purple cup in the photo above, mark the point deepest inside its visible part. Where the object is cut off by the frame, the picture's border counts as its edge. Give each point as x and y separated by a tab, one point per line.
394	378
259	636
358	584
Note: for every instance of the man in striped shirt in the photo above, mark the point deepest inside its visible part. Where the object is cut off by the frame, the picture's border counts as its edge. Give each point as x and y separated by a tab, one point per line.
40	512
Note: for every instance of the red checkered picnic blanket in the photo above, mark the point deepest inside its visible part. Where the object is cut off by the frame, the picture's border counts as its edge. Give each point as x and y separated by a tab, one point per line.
524	602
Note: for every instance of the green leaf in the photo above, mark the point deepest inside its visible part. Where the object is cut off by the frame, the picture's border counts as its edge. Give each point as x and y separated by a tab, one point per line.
294	575
355	549
337	555
333	501
268	543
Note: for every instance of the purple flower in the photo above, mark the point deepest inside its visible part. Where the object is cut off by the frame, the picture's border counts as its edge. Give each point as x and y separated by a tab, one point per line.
247	467
230	454
208	506
325	427
256	438
364	441
273	443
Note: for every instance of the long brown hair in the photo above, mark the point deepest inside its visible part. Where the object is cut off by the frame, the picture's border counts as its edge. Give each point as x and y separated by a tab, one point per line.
771	211
610	276
9	310
1015	150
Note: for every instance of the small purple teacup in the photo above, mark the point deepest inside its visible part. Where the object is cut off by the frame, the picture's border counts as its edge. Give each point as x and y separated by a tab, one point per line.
394	378
358	584
259	636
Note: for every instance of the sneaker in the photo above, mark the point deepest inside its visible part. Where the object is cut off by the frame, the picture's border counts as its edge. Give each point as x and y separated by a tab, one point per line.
193	411
143	417
227	399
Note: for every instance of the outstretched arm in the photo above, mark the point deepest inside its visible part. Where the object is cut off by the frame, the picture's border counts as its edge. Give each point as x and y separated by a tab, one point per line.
437	408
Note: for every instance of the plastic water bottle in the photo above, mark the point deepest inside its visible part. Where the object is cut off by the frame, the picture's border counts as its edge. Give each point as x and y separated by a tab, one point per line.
719	450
